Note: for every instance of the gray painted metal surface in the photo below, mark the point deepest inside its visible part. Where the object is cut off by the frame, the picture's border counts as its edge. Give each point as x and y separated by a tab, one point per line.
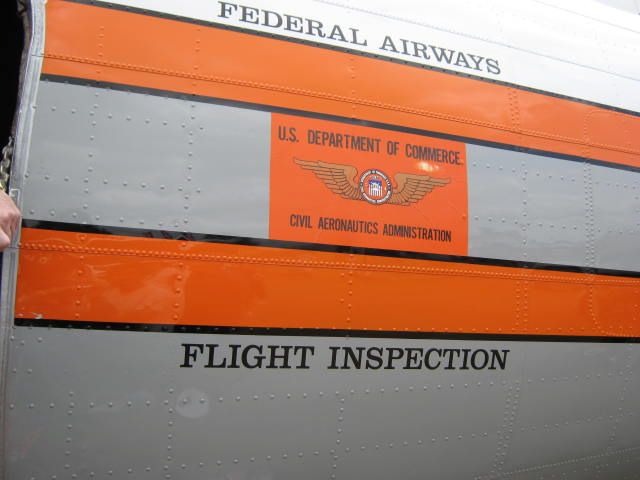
616	218
154	419
126	159
534	208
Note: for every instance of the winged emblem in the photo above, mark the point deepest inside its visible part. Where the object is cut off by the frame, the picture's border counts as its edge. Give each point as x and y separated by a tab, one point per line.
373	186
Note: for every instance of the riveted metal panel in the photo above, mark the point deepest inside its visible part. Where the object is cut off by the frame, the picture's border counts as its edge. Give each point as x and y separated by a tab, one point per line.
554	214
262	423
568	406
627	424
525	207
68	413
576	468
116	158
496	202
616	218
422	420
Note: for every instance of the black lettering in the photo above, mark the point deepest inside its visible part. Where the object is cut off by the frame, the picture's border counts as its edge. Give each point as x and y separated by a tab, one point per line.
387	44
428	355
189	354
442	54
420	50
212	353
350	355
462	61
303	357
234	356
393	354
334	358
476	61
337	34
493	66
259	358
465	358
374	358
226	9
451	352
293	24
249	14
476	365
284	356
354	38
405	46
314	28
268	14
500	357
413	359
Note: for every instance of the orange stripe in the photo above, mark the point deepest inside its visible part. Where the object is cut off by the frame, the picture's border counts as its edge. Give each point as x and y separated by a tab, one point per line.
77	276
114	46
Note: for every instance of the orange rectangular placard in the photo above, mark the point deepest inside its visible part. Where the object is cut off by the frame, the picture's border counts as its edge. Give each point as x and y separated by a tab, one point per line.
341	184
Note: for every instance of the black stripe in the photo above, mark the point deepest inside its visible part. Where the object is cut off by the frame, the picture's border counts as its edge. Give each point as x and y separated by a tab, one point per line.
314	332
195	21
317	247
334	118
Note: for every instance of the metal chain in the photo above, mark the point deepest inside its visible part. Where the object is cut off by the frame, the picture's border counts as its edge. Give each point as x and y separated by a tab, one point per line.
5	164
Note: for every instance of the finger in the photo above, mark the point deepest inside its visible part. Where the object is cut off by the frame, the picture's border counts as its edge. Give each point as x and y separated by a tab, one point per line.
10	223
6	224
5	240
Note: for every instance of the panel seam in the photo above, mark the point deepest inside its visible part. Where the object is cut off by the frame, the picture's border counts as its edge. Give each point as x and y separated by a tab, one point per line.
337	98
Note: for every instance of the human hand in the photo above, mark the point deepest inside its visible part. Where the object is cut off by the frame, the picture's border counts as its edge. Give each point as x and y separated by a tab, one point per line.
9	220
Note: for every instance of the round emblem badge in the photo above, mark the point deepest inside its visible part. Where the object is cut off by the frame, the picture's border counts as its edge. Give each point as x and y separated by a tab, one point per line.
375	187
